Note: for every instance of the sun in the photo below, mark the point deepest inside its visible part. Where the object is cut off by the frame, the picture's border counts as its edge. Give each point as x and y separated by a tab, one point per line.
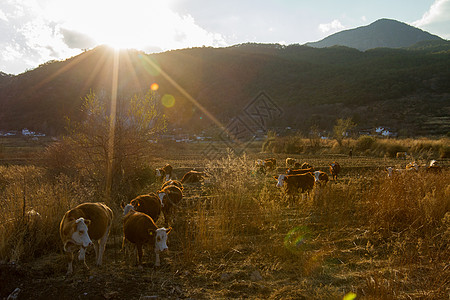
120	24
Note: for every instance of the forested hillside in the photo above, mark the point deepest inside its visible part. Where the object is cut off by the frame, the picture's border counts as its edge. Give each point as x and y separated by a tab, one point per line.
406	89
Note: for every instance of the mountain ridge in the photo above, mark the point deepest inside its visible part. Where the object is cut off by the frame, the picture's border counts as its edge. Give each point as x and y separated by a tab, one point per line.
383	33
398	88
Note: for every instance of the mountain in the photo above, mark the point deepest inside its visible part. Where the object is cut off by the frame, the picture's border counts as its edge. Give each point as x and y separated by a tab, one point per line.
404	89
383	33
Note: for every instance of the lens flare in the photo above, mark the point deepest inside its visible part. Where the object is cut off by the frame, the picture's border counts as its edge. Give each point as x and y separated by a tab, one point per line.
349	296
150	65
154	86
296	240
168	100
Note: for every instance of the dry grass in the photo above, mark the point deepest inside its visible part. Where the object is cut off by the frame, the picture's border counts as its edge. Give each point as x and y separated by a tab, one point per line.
237	236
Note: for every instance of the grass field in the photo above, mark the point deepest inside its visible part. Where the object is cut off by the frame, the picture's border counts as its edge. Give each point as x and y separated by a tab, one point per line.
364	236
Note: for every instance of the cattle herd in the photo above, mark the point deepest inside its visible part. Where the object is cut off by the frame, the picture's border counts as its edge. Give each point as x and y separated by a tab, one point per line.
89	223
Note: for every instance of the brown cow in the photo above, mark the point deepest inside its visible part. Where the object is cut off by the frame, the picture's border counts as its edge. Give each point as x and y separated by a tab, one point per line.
192	177
320	177
148	204
140	229
293	183
164	173
86	224
290	162
173	182
335	169
170	196
299	171
266	165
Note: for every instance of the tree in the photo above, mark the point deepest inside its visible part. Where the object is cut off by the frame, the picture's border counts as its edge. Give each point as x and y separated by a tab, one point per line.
342	129
107	146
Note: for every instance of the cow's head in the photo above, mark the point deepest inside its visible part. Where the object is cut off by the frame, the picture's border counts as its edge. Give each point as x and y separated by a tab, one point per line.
79	237
161	196
127	209
316	176
389	170
280	180
160	235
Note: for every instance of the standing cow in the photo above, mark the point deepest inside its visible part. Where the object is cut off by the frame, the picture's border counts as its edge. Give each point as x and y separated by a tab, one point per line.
335	169
85	225
140	229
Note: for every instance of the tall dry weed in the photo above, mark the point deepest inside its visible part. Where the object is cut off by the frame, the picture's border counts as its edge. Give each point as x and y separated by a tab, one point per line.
32	207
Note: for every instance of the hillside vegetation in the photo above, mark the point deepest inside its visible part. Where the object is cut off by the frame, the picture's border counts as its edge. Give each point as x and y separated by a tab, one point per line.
404	89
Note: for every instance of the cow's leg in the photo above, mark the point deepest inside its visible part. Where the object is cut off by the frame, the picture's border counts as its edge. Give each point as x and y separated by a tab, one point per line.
139	255
82	256
69	263
157	260
102	245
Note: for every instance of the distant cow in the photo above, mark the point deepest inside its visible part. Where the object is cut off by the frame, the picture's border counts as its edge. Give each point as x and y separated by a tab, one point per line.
335	169
149	204
391	171
305	165
192	177
299	171
412	165
294	183
173	182
401	155
266	165
320	177
140	229
433	167
82	226
290	162
164	173
170	196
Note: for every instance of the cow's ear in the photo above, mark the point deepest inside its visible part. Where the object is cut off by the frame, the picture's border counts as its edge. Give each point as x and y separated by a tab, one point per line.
122	204
275	177
168	230
87	222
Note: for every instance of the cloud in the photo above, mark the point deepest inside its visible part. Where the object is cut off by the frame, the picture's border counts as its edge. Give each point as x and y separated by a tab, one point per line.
77	40
34	32
436	19
3	16
333	26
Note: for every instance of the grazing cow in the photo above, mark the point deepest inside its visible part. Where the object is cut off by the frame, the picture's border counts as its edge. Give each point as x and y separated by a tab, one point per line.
164	173
173	182
320	177
148	204
170	196
299	171
433	167
412	166
290	162
401	155
82	226
192	177
391	171
335	169
305	165
266	165
293	183
140	229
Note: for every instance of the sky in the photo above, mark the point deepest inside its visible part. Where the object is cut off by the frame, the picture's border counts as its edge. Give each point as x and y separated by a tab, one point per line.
33	32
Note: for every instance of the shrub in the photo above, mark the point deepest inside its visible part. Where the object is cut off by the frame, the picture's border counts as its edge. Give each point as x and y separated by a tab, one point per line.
365	142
